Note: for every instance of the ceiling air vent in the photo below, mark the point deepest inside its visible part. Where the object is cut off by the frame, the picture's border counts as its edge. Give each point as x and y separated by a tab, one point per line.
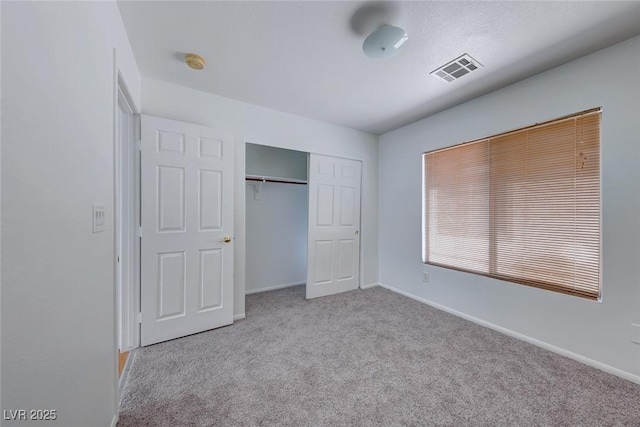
457	68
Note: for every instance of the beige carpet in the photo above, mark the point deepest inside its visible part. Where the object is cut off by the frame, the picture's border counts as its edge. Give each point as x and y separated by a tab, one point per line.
365	358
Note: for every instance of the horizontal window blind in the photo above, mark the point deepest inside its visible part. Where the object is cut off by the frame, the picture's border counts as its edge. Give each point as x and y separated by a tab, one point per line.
523	206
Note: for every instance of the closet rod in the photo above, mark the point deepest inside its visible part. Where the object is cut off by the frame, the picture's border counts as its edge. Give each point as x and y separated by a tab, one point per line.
275	180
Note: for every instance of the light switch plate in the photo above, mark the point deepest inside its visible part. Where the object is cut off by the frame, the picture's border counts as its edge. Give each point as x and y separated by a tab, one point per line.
99	220
635	333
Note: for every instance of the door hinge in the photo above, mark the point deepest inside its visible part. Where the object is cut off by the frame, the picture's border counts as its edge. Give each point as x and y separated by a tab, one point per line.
139	318
138	127
139	145
139	232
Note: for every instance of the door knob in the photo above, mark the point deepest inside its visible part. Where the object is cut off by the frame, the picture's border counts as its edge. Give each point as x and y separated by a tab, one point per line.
357	232
226	239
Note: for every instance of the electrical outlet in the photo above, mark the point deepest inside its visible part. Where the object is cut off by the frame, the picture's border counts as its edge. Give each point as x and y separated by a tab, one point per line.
425	277
635	333
99	220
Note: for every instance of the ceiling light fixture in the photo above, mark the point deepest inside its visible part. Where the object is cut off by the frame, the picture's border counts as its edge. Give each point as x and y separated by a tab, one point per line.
194	61
384	42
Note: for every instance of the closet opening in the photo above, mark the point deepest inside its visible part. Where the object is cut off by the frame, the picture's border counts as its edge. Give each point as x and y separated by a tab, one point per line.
277	207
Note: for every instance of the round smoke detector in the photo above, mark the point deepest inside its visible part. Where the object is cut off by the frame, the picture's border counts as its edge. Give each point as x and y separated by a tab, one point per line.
194	61
384	42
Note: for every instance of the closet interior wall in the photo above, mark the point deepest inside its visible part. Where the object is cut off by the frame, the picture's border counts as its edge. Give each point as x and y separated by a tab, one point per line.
276	218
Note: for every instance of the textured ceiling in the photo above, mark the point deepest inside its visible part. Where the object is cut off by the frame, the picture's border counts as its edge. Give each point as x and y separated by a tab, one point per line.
306	57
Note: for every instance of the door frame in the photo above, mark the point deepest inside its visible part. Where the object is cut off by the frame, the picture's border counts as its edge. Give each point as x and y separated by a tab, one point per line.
121	89
129	297
241	212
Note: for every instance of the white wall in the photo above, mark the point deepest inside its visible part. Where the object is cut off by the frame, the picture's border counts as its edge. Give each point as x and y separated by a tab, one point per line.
276	235
600	331
58	291
250	123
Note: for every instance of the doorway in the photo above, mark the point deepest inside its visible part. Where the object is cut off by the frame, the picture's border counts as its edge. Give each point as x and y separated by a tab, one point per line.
126	220
302	221
126	241
276	218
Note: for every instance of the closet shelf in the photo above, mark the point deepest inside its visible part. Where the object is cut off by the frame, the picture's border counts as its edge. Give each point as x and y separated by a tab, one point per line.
260	178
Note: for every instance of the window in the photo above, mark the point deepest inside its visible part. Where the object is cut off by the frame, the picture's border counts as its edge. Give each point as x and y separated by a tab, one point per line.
522	206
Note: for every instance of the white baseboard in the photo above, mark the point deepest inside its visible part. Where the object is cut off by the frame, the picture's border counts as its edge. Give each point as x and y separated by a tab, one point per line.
273	288
590	362
238	316
369	285
114	420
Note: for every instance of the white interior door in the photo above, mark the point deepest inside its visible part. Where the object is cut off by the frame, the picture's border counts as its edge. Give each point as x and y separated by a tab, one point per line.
333	263
187	229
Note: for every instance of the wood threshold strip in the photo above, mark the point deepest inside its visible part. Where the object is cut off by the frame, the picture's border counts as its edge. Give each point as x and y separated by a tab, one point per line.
122	361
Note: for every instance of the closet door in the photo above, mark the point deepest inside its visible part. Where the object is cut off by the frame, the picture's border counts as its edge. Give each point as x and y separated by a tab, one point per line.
187	229
333	263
